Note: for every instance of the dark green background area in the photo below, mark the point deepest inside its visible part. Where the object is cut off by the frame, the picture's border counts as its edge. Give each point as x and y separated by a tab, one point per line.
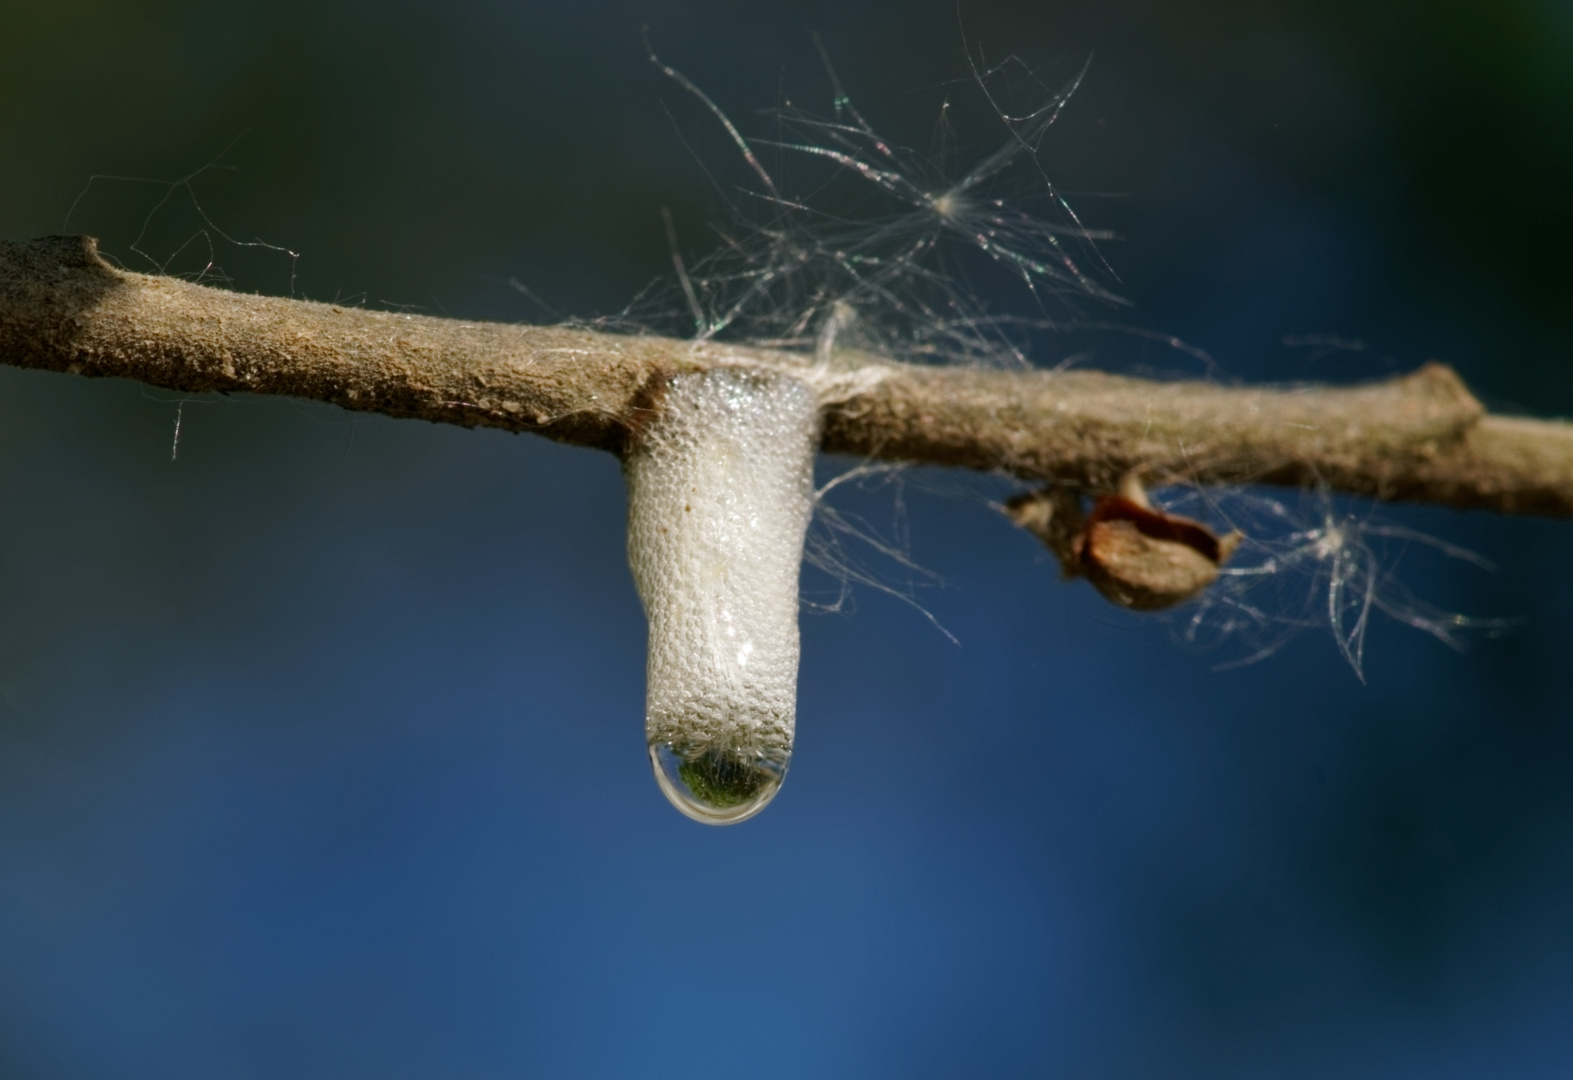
320	746
410	151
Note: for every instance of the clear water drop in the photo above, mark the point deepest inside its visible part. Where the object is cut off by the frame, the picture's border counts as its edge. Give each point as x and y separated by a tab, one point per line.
716	785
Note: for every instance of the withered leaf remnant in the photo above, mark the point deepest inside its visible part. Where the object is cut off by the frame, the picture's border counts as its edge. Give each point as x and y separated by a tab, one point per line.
1137	556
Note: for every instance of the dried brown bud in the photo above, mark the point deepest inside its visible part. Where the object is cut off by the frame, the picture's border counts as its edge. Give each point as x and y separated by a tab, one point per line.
1136	556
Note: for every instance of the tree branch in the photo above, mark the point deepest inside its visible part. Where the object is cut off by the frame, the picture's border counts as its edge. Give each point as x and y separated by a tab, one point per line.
1420	438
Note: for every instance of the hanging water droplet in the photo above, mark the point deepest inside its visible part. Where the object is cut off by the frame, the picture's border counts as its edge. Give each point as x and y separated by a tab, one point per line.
715	785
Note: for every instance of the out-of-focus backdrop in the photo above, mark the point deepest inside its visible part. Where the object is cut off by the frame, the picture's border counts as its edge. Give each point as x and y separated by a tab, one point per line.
320	744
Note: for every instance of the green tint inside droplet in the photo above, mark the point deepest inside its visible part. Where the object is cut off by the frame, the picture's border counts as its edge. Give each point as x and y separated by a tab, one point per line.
715	785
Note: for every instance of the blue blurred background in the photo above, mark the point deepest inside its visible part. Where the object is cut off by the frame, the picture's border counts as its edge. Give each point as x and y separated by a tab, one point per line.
321	748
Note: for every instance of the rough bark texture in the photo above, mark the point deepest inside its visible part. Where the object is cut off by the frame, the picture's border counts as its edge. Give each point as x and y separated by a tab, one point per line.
1421	437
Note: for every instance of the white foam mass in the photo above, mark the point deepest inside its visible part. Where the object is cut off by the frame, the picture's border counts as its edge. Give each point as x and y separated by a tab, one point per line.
720	492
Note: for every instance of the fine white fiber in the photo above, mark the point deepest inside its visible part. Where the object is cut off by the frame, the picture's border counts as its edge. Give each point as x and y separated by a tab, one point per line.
720	493
879	256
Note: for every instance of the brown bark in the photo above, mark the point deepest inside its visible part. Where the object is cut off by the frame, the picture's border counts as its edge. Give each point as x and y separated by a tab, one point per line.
1421	437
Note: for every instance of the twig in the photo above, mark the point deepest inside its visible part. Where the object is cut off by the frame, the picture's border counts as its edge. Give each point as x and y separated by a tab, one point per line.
1420	438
